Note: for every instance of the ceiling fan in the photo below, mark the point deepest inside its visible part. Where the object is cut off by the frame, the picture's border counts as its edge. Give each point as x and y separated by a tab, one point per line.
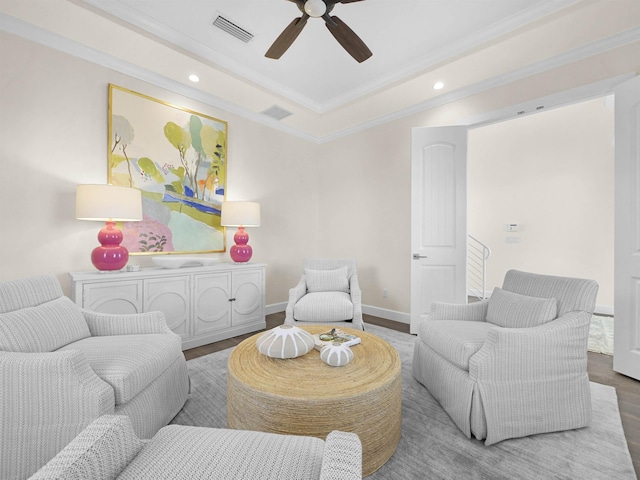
320	9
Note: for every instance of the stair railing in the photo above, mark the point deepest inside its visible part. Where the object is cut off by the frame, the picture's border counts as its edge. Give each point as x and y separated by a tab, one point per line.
477	255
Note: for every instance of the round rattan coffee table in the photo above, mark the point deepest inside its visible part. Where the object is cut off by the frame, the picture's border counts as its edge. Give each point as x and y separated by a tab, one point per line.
305	396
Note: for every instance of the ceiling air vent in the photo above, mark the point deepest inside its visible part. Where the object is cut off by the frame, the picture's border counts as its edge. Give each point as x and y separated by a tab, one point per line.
232	29
276	112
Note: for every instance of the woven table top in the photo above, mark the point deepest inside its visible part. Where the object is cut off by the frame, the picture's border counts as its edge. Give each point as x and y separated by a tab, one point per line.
374	365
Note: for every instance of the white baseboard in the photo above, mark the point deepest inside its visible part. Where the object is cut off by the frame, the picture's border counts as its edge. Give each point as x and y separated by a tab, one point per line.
275	308
604	310
401	316
472	292
406	318
387	314
369	310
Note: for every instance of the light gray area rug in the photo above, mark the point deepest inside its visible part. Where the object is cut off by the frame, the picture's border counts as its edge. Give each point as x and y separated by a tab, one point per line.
601	335
432	447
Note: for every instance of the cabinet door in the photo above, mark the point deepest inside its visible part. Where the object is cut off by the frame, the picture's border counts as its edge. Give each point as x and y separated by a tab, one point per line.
212	302
247	295
113	297
170	295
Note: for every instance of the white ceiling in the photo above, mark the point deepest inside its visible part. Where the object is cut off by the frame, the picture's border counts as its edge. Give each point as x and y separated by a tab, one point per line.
473	46
406	37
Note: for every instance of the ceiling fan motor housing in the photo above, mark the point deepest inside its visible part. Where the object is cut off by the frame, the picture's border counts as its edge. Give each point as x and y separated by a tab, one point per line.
340	31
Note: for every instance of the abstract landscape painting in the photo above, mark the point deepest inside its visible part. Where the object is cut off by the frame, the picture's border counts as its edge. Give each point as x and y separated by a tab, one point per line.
177	158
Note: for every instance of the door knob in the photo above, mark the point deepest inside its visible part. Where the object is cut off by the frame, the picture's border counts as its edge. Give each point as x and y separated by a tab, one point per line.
417	256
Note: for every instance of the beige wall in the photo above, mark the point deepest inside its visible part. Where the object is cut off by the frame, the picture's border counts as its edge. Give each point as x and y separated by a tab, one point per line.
552	174
365	207
346	197
53	125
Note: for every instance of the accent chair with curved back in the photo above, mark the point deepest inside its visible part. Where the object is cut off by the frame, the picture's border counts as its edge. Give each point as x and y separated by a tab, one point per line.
514	365
328	292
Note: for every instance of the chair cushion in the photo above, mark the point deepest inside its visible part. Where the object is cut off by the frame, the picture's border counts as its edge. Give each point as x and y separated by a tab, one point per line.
335	280
129	363
512	310
43	328
455	340
100	451
181	452
324	307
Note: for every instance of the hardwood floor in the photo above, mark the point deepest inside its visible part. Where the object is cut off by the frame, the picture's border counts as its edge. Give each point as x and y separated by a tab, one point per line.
600	368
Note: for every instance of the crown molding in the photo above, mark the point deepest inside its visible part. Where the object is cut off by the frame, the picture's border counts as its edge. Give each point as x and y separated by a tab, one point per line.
201	52
36	34
580	53
452	50
560	99
43	37
209	56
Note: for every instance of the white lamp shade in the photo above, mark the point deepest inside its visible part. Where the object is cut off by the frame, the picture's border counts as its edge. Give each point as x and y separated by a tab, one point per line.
236	214
108	202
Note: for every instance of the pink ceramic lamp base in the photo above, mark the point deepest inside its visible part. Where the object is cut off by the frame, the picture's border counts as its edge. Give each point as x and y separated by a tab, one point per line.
241	252
110	255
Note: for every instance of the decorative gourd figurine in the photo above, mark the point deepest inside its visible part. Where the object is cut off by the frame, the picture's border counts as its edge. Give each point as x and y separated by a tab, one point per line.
285	341
336	354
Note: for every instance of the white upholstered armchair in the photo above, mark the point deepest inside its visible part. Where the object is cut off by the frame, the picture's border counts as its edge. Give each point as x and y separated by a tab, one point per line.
513	365
328	292
62	367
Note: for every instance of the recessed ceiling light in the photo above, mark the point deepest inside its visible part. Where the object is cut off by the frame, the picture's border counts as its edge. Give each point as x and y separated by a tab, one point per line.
194	78
438	86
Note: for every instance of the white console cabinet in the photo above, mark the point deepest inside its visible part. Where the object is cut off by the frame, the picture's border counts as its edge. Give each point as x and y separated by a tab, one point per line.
201	304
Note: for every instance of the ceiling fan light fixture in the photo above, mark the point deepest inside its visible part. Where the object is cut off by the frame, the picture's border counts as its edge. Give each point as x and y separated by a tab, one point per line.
346	37
315	8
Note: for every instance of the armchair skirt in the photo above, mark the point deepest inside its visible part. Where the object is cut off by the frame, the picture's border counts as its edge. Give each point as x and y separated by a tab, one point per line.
514	365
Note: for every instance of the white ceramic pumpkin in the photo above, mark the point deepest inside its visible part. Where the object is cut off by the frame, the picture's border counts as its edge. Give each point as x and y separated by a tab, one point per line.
336	354
285	341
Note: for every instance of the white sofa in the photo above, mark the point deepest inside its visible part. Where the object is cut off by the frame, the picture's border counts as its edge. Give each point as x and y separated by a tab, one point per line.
108	449
62	367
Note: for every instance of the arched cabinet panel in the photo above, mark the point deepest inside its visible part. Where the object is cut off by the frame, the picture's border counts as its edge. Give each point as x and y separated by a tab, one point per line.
171	296
201	304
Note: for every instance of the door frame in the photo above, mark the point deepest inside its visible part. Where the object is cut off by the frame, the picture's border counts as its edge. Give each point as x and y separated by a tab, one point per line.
583	93
626	340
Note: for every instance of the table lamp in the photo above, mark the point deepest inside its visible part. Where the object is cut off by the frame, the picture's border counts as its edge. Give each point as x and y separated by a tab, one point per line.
109	203
240	214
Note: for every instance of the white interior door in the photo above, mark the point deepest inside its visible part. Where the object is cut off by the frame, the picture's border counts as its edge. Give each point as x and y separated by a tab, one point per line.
626	338
438	218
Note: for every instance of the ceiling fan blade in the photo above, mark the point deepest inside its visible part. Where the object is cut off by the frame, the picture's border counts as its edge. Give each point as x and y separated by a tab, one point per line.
287	37
348	39
348	1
